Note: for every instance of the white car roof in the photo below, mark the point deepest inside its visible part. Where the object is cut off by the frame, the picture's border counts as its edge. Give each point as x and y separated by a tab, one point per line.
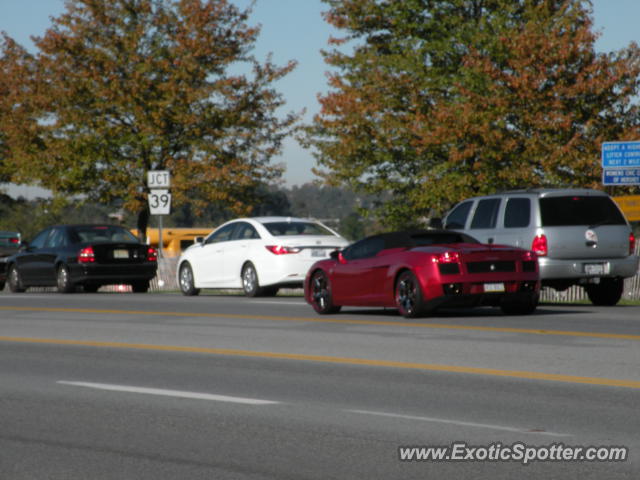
281	219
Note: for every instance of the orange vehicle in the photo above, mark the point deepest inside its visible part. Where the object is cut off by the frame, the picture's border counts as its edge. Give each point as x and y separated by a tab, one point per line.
174	240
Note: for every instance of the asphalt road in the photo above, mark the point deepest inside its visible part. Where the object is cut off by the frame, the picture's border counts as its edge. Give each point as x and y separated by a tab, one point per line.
160	386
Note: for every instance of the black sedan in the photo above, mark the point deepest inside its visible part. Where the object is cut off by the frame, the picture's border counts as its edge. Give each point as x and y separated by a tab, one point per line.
69	256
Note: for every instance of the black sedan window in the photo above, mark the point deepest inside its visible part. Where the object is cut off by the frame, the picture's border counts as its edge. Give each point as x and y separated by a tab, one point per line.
40	239
101	233
57	239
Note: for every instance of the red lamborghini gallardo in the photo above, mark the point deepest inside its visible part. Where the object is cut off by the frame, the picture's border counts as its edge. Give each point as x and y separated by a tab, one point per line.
420	271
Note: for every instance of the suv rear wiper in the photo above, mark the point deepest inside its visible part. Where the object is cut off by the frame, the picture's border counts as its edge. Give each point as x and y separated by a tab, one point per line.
599	224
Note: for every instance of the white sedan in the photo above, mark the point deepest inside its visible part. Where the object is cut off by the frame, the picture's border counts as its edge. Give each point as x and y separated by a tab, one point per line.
259	255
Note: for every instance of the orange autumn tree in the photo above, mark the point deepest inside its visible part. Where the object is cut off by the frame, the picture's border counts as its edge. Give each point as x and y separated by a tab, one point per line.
18	130
434	101
127	86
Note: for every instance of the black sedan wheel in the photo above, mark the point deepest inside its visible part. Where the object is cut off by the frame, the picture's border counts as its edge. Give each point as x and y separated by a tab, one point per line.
321	299
63	282
409	295
15	283
187	283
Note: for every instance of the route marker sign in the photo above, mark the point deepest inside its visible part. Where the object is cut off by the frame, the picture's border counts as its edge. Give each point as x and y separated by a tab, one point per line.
159	202
158	179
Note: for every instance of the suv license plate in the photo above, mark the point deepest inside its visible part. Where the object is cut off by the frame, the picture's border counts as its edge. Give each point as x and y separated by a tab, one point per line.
494	287
595	268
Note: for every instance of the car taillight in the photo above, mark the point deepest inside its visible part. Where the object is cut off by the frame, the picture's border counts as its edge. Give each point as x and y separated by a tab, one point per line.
632	243
539	245
152	254
14	240
447	257
86	255
281	249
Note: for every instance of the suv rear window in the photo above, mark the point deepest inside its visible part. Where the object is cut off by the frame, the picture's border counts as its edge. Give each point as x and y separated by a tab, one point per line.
579	210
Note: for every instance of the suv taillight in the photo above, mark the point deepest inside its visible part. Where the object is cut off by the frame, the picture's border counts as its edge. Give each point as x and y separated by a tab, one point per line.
632	243
86	255
539	245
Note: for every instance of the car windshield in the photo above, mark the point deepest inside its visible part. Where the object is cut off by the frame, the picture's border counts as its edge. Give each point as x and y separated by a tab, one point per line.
579	210
101	233
280	229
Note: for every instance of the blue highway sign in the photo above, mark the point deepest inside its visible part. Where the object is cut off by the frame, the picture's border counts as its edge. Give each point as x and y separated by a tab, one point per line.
621	176
620	154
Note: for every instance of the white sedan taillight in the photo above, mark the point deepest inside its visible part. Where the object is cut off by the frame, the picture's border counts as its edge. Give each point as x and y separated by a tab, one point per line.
281	249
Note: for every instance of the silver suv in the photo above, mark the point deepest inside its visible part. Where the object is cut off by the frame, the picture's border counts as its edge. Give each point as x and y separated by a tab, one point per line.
580	235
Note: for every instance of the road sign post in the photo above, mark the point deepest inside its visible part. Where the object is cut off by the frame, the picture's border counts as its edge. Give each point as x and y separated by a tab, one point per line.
159	198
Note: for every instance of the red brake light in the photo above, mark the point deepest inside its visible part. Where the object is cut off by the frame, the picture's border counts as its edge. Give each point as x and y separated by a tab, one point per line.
152	254
86	255
281	249
14	240
632	243
539	246
447	257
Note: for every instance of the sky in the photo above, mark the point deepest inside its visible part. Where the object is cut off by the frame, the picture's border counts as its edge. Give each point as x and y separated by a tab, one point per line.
295	30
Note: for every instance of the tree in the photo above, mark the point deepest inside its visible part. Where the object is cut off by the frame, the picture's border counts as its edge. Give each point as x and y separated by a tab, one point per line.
128	86
441	100
18	130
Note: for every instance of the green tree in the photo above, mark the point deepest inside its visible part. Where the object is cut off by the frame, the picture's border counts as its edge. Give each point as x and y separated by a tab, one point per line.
433	101
128	86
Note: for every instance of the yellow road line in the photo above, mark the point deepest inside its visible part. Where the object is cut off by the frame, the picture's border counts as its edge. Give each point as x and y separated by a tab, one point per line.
343	321
552	377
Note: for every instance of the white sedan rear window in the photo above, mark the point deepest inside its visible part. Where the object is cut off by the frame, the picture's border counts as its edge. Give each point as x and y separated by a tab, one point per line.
280	229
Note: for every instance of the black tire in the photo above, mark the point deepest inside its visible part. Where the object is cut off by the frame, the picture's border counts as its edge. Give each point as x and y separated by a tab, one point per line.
408	295
90	288
606	293
15	282
522	307
140	287
321	298
186	281
2	286
63	281
250	282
